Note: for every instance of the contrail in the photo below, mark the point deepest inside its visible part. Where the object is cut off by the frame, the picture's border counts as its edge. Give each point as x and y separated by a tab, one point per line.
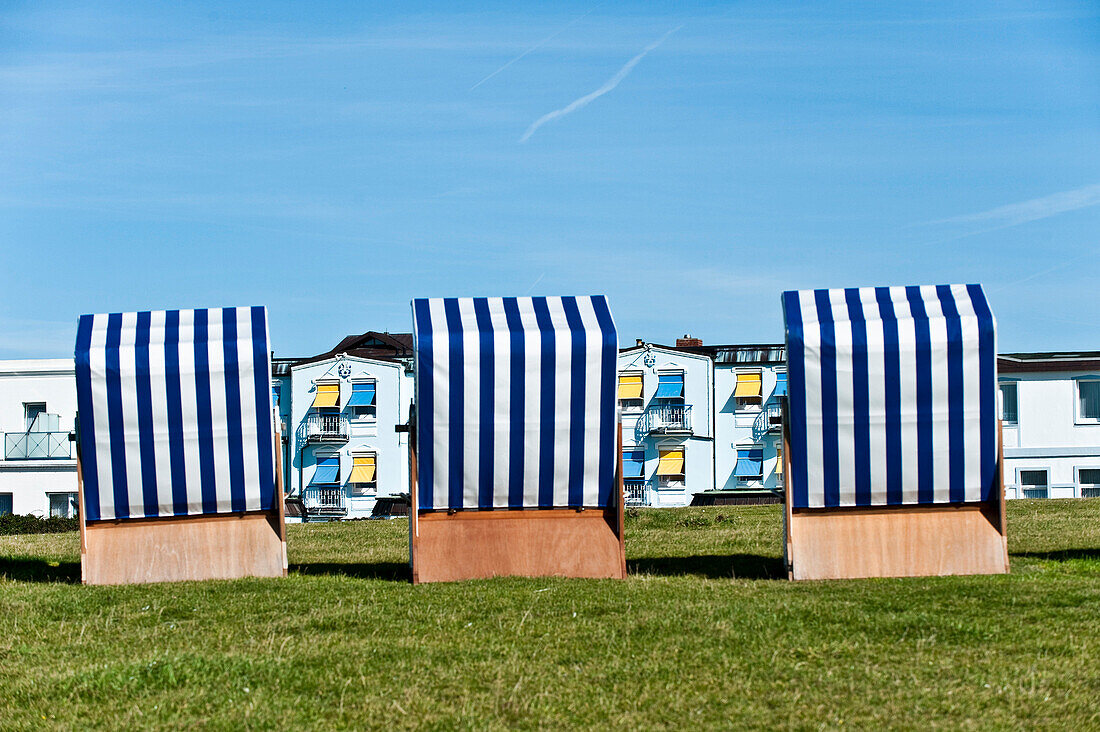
607	86
535	47
1034	209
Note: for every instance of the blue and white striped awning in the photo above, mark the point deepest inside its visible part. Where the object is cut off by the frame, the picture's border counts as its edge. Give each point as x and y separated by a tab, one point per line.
892	395
515	402
175	413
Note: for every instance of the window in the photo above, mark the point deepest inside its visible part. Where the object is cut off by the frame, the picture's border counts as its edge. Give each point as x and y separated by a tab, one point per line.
5	504
63	505
1088	400
747	391
780	389
1089	480
328	395
327	471
31	410
778	461
670	386
670	466
1008	403
276	391
630	390
362	399
633	463
363	477
750	463
1034	483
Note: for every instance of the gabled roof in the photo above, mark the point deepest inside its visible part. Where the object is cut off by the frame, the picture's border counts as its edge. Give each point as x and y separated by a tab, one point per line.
372	344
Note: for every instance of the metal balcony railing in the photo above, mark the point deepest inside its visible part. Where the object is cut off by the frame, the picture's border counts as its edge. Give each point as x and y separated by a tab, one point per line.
634	493
326	428
665	418
37	446
324	501
770	419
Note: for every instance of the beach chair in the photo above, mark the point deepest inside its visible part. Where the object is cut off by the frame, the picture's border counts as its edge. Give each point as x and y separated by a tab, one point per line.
891	438
515	447
176	446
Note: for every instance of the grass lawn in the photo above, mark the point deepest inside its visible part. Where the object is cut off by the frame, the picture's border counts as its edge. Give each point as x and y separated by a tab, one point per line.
703	634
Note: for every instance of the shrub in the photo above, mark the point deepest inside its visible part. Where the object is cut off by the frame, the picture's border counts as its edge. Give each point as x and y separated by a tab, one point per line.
16	524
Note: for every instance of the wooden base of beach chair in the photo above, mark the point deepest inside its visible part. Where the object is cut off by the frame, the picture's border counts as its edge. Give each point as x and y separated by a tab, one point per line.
896	541
178	548
476	544
560	542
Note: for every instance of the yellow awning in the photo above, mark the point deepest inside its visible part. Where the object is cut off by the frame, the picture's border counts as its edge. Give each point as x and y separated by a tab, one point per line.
748	385
630	386
362	470
328	395
779	461
671	463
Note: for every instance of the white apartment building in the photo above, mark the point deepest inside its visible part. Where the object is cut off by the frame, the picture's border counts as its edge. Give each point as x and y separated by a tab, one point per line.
37	411
1050	411
341	450
666	402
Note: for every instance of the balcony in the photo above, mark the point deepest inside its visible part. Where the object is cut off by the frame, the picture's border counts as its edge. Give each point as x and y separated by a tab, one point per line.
324	502
770	420
326	428
669	419
37	446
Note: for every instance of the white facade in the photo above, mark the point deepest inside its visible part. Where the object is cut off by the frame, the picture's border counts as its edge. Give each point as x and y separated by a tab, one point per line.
749	422
675	432
349	434
37	413
1050	411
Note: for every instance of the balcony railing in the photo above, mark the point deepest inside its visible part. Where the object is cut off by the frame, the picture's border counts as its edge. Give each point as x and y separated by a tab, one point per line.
37	446
634	493
326	428
666	418
770	419
324	501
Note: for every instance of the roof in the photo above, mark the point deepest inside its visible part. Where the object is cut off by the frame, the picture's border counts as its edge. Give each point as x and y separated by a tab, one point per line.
372	344
1020	363
749	353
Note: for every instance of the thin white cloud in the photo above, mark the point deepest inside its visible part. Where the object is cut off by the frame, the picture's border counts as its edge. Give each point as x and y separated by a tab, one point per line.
535	47
1037	208
607	86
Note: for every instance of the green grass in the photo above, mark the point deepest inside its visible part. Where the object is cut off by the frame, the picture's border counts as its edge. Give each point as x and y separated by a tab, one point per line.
703	634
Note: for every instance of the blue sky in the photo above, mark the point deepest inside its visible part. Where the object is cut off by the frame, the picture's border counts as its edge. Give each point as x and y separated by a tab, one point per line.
332	161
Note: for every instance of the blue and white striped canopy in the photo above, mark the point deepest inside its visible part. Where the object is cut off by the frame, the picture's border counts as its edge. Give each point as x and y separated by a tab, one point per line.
175	413
515	402
891	395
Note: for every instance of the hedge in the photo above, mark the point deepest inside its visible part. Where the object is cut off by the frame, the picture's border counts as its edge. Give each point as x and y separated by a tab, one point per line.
15	524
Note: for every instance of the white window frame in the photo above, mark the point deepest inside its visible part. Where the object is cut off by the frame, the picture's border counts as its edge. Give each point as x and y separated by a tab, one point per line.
1023	486
667	481
1001	405
373	491
1078	418
373	417
749	446
683	388
1081	486
340	392
746	404
325	454
73	503
633	405
11	497
27	421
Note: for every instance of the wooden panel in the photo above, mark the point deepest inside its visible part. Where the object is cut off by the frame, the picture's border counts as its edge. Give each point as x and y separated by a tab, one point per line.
904	541
183	548
476	544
